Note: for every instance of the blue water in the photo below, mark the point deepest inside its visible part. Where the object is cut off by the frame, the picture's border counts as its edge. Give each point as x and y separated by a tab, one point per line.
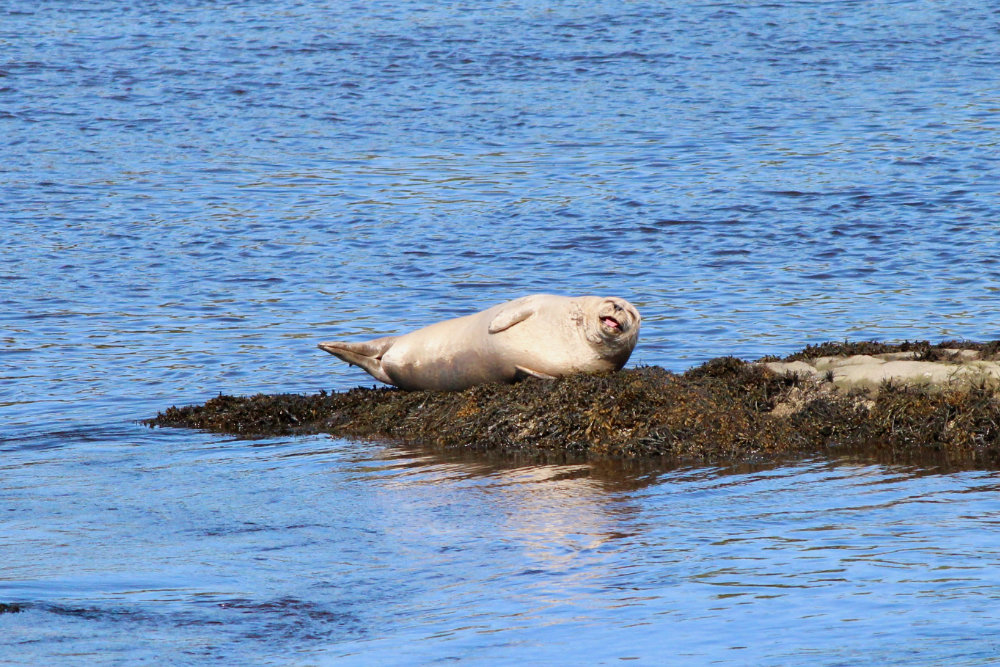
192	195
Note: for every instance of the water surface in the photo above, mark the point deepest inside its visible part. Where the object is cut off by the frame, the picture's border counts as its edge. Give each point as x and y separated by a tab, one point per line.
192	195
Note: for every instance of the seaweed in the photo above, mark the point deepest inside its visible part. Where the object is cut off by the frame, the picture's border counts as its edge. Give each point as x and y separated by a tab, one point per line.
726	410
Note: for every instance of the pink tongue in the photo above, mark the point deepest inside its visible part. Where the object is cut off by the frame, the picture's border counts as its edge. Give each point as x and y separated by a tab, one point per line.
610	322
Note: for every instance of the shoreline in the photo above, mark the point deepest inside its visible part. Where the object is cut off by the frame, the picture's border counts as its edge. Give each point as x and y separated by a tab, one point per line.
908	402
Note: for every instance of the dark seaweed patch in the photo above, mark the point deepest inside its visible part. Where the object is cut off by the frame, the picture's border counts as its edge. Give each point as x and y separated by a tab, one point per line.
723	411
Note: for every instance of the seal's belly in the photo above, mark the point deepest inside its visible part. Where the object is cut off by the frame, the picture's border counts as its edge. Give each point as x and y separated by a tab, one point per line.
447	358
448	370
457	358
452	373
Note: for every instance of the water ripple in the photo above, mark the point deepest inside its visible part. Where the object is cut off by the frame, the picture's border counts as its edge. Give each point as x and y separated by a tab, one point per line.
193	196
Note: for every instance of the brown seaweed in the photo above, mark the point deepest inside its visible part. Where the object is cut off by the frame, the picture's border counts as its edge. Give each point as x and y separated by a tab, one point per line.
725	410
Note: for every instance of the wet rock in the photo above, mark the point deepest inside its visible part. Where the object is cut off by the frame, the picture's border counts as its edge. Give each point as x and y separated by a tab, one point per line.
725	410
951	368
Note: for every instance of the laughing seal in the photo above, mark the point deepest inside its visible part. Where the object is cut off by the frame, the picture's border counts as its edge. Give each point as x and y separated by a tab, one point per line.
541	335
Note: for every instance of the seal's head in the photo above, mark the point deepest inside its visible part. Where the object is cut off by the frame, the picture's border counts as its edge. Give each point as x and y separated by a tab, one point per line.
611	324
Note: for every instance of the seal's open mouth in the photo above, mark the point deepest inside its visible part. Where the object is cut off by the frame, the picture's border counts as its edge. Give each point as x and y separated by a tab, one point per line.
611	323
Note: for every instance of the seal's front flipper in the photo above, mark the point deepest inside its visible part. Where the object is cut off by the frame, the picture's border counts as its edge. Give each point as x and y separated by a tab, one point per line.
508	317
523	372
366	354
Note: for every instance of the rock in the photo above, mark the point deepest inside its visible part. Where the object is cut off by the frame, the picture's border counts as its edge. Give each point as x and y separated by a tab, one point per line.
957	368
923	404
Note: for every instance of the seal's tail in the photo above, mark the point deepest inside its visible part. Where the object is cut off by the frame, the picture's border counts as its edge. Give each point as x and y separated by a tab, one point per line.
366	354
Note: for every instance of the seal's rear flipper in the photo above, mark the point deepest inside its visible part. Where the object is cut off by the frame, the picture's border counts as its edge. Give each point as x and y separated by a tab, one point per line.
367	354
523	372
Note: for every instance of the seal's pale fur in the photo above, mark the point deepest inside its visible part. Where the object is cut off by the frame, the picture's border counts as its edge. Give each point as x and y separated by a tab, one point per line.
541	335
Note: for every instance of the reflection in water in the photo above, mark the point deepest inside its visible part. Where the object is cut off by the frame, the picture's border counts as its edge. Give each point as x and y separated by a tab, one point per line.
552	518
352	550
781	558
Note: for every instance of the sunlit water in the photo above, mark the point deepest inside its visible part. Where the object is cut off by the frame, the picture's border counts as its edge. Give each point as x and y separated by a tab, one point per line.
193	195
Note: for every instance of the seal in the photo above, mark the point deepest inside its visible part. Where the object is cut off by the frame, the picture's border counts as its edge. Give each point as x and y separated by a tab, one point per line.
540	335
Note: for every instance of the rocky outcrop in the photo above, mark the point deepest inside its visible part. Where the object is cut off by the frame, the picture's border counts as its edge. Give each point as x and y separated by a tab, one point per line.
903	403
